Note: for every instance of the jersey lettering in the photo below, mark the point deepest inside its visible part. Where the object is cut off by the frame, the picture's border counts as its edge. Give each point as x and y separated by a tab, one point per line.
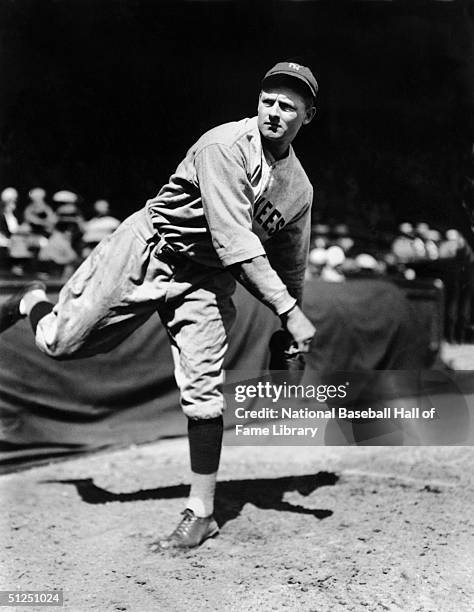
270	220
263	210
280	225
268	217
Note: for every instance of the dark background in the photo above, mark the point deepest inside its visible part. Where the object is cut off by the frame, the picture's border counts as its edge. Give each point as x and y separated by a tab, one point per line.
104	96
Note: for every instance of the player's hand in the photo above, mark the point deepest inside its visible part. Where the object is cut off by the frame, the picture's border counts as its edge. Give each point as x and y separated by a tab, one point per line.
285	365
300	328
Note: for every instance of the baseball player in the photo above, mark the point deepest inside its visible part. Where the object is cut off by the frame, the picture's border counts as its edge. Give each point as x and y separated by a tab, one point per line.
236	208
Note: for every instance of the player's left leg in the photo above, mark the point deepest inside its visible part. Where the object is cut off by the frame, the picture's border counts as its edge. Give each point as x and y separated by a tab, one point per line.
20	304
198	329
112	293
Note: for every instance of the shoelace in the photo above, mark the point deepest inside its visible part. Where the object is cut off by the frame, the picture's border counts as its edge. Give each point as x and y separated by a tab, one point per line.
185	524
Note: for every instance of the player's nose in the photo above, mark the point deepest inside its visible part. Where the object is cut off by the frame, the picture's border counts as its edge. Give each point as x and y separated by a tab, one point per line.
274	110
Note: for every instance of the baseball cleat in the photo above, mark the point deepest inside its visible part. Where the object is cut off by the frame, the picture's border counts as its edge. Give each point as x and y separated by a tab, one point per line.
191	531
10	310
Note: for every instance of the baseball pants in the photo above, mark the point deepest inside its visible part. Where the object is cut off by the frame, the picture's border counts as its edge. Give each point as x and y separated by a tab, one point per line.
129	276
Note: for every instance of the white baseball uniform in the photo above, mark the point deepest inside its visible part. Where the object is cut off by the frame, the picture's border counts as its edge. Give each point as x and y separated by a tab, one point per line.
223	205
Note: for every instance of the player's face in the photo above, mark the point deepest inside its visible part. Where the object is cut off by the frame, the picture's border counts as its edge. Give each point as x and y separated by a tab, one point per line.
281	113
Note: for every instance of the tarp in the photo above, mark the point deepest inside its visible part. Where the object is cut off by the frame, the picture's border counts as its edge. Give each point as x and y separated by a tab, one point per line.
365	324
128	395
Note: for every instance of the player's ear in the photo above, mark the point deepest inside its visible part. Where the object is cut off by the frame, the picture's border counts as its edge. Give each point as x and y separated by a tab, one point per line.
310	113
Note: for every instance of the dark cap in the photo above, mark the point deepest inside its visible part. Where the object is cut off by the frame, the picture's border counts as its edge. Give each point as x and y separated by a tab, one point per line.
303	73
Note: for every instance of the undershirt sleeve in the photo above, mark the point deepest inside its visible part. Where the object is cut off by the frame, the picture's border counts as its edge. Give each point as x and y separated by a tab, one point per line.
227	200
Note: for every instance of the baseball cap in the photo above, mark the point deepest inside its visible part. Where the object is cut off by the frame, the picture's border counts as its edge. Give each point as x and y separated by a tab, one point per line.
366	261
317	256
9	194
303	73
335	256
68	197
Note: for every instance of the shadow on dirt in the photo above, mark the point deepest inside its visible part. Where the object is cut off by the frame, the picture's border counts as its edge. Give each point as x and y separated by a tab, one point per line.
231	495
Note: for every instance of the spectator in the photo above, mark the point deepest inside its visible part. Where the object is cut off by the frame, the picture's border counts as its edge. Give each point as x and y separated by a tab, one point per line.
432	241
403	246
68	211
57	255
39	215
100	226
368	265
8	220
8	224
69	214
23	249
422	229
316	262
419	238
320	233
452	243
343	239
332	271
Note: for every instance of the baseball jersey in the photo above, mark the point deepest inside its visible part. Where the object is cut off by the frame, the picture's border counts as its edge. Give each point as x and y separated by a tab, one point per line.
225	204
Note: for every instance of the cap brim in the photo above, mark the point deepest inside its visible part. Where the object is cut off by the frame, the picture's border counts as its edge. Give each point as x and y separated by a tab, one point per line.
291	74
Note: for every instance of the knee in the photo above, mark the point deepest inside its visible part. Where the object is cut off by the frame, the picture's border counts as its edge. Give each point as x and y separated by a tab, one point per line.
199	409
201	394
56	351
50	342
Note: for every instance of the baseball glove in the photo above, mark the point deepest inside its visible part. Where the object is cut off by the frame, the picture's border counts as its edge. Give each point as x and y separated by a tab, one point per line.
285	362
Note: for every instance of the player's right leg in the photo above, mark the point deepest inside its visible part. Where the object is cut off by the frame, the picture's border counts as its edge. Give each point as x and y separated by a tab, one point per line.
198	324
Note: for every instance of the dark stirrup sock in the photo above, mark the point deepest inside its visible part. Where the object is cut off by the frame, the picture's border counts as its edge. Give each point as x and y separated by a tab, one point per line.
39	310
205	443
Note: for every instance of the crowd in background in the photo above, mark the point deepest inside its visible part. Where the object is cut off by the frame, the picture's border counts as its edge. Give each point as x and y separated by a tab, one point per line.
337	253
48	238
411	252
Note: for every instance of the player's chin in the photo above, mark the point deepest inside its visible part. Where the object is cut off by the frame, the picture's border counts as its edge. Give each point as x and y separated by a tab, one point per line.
272	134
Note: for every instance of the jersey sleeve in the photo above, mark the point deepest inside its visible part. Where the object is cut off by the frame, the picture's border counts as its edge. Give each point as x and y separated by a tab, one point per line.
287	251
227	200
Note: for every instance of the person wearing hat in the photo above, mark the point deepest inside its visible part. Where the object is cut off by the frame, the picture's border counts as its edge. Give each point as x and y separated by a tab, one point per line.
67	208
8	221
38	214
238	207
332	271
99	226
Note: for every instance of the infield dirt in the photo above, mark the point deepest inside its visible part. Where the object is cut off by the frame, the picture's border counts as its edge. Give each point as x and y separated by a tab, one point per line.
322	529
349	529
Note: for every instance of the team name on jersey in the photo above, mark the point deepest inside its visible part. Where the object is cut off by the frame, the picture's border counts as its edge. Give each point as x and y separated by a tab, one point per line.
267	216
